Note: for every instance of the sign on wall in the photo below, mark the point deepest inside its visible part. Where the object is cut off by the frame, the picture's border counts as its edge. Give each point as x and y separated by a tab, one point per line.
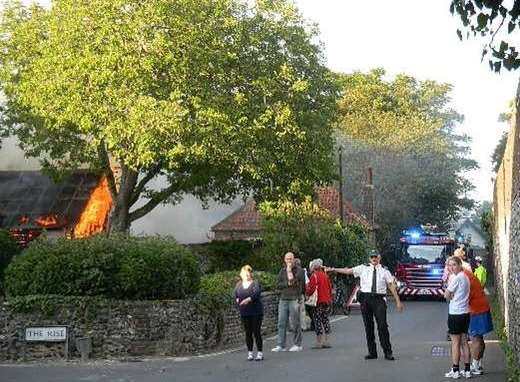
50	333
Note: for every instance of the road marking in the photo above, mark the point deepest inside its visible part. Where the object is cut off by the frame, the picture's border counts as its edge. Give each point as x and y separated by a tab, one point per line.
233	350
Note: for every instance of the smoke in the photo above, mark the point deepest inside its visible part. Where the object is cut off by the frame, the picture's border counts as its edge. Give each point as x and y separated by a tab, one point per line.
12	158
188	222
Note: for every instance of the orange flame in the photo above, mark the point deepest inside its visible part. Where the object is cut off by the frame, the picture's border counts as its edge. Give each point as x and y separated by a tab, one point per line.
23	219
46	220
94	217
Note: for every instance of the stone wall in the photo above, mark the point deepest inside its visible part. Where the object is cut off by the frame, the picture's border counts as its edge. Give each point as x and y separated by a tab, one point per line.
506	212
126	329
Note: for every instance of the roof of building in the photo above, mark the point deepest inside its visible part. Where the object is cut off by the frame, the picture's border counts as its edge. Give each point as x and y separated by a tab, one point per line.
248	218
30	198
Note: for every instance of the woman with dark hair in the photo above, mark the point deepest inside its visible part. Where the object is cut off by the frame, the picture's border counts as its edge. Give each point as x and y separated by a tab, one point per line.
248	298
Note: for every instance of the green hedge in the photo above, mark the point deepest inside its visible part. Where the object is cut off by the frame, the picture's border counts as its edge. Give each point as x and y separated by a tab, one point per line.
117	267
8	249
310	232
223	283
220	256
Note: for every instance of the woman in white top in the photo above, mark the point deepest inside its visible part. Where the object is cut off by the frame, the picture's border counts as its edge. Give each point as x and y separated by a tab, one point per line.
457	293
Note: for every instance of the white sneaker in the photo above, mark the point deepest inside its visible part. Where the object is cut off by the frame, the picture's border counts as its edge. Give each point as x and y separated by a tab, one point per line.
452	374
476	369
259	356
466	374
296	348
278	349
250	356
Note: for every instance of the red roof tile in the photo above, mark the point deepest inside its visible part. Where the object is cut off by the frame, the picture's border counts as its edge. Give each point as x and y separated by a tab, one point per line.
247	217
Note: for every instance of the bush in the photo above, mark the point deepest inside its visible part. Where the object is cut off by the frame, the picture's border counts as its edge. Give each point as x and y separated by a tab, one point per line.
114	267
8	249
223	283
310	232
220	256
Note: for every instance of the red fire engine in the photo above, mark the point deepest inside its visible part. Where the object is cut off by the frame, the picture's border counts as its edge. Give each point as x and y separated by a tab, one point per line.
421	259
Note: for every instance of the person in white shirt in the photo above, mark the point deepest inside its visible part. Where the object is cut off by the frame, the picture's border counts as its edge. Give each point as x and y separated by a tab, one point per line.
375	279
457	293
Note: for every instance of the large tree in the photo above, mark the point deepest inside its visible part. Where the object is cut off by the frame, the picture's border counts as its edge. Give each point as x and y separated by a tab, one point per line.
405	130
221	97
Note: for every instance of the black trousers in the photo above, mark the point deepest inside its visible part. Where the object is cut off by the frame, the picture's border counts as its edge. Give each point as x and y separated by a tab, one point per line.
375	307
253	327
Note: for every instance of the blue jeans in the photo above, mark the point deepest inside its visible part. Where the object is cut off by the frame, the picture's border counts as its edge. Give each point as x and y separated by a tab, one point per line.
289	311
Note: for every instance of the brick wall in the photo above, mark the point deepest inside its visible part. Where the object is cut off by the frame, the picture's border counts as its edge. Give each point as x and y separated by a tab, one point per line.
122	329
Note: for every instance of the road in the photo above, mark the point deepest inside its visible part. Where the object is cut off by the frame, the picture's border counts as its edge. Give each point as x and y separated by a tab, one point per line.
418	338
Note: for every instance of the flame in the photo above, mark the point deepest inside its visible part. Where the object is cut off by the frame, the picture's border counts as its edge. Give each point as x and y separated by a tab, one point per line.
24	219
47	220
94	217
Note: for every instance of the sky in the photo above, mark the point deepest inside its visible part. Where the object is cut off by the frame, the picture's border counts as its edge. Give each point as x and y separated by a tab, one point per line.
418	37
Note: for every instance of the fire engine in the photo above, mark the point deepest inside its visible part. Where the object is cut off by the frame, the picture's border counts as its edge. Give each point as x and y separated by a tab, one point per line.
421	258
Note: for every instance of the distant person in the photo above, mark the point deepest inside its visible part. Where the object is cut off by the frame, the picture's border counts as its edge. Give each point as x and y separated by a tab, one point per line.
248	298
308	308
291	281
457	293
375	279
320	281
480	322
480	271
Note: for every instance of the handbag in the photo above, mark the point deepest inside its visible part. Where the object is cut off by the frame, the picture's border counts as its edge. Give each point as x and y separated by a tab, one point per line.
312	300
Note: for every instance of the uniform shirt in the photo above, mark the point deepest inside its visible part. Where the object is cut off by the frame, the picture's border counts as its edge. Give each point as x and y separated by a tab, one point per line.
365	272
459	286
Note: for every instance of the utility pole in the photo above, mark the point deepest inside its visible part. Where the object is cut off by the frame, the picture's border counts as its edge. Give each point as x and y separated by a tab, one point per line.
341	214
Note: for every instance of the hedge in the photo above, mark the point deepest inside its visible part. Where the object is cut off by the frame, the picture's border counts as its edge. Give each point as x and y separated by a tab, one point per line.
310	232
8	249
223	283
118	267
221	256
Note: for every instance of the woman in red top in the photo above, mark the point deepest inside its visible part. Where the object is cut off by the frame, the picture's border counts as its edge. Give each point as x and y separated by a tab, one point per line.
321	282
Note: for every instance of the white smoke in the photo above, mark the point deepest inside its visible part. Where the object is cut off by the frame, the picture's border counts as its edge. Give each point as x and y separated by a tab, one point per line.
12	157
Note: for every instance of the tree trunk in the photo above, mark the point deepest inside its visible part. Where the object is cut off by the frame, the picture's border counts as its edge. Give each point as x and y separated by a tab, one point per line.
119	220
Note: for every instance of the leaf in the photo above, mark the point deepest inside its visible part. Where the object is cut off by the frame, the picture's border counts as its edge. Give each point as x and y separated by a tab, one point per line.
503	46
511	27
482	20
498	66
459	33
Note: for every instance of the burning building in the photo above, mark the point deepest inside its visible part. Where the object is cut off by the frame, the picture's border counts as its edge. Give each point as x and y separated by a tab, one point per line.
31	202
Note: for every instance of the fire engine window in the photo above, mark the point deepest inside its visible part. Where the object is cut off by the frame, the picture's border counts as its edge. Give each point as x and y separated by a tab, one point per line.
423	254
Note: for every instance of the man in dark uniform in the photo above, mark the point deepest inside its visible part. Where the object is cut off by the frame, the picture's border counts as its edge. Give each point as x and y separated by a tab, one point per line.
375	279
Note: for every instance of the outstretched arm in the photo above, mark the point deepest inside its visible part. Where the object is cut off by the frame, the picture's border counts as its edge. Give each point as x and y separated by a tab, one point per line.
345	271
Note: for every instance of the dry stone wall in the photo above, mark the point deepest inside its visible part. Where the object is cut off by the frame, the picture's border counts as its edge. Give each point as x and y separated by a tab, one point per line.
128	329
506	212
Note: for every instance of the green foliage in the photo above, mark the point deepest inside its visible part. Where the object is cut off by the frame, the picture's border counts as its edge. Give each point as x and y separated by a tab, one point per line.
498	153
309	232
487	224
221	256
512	361
220	97
114	267
216	290
49	304
8	249
403	114
404	130
486	19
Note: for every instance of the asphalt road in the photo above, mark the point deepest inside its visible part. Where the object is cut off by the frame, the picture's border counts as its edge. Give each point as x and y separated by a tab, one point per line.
417	334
